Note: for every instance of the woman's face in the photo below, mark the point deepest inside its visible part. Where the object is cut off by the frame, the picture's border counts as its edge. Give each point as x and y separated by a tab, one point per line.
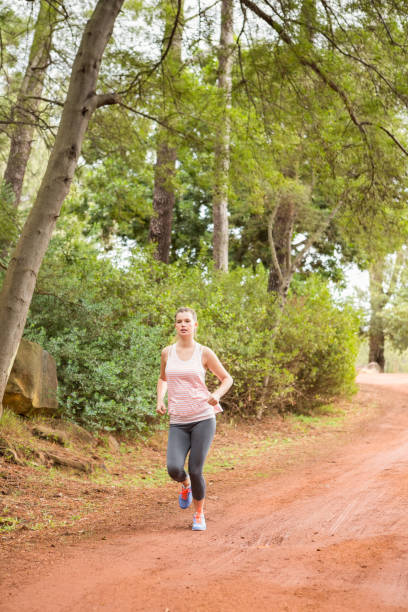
185	324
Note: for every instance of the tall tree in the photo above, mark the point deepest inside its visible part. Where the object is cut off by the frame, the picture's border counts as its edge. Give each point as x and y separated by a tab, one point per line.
166	153
378	299
222	143
81	101
24	114
384	277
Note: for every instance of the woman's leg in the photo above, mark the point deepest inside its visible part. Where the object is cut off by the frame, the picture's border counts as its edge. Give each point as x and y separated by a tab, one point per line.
202	435
177	448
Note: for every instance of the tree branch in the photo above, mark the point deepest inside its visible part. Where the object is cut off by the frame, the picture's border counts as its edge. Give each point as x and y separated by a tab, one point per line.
363	62
56	102
390	134
305	61
149	72
106	99
314	237
319	72
150	117
59	8
163	124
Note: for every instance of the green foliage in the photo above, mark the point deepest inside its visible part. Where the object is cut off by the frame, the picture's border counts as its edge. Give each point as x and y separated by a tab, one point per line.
106	324
319	344
107	380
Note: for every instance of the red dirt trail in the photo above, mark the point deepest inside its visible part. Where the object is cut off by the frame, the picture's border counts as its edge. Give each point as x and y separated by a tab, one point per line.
329	535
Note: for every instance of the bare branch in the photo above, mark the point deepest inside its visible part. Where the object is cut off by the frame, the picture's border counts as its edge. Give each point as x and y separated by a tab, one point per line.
150	117
271	220
314	237
56	102
72	304
163	123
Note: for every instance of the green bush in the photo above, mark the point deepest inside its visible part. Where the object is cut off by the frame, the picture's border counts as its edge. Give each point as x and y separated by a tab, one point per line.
301	358
107	381
106	325
318	341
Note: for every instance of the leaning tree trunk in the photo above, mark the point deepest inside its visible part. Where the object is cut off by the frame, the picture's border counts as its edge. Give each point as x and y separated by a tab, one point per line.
81	101
378	299
164	195
28	102
222	145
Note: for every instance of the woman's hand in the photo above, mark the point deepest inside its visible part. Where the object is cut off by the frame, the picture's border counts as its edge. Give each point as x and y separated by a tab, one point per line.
162	387
213	399
161	408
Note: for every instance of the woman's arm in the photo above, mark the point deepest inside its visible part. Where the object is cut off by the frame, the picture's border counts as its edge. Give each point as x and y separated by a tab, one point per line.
212	363
162	384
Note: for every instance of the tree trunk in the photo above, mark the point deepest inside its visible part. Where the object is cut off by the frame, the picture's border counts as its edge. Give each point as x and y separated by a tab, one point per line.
28	103
81	101
164	195
222	145
378	299
280	271
163	200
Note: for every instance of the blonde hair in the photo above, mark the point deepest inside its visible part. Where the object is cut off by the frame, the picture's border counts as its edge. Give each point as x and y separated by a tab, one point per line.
186	309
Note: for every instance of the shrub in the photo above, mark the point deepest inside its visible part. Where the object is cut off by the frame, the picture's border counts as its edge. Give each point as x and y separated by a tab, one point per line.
318	341
106	327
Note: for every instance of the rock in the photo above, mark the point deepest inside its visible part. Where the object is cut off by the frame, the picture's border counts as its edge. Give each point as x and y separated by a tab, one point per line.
67	459
371	368
78	433
32	384
374	367
47	433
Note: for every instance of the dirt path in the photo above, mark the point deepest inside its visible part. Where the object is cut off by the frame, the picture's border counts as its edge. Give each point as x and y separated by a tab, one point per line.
331	535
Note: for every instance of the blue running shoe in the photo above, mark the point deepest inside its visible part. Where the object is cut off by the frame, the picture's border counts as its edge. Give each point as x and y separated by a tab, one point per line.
185	497
199	522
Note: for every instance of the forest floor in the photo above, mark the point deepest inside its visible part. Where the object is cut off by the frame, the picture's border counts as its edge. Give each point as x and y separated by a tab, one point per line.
303	513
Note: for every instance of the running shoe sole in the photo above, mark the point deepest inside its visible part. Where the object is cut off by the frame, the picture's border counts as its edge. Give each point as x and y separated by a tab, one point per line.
185	502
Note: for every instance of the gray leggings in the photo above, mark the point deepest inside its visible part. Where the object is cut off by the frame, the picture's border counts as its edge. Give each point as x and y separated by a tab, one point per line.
196	438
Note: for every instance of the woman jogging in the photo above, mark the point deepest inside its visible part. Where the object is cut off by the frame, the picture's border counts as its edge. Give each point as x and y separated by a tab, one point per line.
191	408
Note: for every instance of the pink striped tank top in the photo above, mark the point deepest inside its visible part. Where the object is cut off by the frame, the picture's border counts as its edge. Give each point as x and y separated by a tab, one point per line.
186	389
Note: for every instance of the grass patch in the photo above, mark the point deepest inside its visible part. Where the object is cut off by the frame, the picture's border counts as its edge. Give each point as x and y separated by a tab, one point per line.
12	425
8	523
324	417
229	457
